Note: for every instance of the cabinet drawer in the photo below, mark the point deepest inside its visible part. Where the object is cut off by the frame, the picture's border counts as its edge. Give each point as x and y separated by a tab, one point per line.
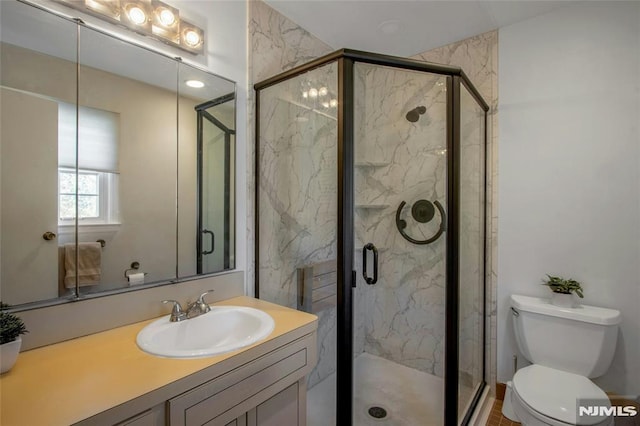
248	384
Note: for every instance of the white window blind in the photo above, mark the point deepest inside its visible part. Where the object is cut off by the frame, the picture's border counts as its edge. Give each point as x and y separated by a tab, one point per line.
98	138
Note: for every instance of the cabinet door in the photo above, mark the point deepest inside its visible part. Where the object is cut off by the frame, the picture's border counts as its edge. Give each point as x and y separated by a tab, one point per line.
240	421
29	197
281	409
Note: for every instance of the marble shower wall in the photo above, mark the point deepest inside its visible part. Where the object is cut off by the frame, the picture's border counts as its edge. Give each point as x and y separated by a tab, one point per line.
277	45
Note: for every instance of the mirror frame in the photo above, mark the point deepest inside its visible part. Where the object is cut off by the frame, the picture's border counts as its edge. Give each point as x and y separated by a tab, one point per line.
76	297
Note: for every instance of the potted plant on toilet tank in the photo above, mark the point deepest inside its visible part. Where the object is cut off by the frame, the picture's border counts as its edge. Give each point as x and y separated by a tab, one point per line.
11	328
563	290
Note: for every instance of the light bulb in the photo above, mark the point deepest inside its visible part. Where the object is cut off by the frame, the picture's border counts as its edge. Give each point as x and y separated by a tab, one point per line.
137	15
333	103
325	104
167	18
305	94
323	91
192	38
313	93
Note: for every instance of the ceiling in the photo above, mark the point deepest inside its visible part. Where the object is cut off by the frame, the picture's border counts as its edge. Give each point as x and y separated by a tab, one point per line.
406	28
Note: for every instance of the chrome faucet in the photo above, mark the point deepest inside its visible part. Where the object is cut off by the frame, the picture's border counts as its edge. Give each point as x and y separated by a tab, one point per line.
177	314
199	307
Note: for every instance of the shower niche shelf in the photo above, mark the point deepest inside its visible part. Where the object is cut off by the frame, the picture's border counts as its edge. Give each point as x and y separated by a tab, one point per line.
371	164
372	206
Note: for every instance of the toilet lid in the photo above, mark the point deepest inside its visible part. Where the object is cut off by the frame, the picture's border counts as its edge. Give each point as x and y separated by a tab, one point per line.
554	393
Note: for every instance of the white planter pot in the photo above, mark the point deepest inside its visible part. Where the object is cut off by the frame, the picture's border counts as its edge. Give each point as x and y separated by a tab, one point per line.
9	354
563	300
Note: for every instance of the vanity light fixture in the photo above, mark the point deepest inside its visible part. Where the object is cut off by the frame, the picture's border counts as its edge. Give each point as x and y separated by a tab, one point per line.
196	84
152	18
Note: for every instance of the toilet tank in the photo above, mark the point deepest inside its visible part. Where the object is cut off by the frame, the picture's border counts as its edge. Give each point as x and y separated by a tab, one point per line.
579	340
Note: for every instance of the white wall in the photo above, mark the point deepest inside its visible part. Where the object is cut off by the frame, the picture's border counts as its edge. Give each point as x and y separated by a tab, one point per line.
569	184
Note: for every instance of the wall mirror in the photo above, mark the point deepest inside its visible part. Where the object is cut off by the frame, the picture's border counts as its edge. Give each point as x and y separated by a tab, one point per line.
117	163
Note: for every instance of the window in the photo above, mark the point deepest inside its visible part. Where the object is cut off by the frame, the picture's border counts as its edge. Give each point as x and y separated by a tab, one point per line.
97	197
97	181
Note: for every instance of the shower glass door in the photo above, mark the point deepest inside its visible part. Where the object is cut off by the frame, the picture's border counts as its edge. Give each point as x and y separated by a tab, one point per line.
471	260
400	192
296	168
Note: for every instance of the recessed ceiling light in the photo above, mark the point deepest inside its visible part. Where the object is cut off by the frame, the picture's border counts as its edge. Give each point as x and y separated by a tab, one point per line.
389	27
196	84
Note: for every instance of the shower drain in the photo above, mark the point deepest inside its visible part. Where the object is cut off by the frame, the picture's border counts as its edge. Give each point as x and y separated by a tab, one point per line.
377	412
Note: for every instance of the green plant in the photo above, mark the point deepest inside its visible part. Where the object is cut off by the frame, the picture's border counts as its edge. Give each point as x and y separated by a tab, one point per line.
564	286
10	325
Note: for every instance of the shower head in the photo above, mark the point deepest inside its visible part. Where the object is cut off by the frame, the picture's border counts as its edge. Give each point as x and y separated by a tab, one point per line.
414	114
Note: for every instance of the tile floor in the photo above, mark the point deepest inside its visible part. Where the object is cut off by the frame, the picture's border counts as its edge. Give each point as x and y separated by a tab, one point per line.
496	418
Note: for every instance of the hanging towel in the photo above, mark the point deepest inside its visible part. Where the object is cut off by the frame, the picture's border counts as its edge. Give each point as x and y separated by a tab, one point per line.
89	259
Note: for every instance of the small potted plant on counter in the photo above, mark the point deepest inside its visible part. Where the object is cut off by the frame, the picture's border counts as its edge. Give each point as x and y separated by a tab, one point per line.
11	328
563	290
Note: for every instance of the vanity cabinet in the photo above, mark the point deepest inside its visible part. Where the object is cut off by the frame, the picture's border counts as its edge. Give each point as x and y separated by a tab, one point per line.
270	390
113	382
267	388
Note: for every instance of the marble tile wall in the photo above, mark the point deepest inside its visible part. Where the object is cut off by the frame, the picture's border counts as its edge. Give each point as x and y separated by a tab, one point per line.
276	45
297	193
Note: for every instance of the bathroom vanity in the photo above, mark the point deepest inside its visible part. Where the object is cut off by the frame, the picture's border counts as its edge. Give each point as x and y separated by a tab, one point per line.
105	379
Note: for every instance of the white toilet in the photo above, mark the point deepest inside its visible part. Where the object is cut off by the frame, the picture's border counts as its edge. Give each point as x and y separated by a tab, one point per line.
567	346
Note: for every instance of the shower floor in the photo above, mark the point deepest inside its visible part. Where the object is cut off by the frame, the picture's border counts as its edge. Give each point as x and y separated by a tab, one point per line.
409	396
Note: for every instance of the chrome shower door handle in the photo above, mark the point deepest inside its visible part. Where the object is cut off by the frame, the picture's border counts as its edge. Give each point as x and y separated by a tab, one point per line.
370	280
213	242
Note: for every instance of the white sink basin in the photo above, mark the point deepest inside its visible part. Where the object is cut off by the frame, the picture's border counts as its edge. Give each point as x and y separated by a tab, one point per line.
223	329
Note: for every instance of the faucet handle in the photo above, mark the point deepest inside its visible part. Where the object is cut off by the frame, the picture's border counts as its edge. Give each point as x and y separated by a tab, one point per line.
177	314
204	306
201	298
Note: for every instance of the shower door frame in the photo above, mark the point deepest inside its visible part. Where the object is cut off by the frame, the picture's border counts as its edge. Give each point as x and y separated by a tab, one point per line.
201	115
346	276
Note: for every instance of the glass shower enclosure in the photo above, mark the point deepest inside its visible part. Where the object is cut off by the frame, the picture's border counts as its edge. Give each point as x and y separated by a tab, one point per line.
370	214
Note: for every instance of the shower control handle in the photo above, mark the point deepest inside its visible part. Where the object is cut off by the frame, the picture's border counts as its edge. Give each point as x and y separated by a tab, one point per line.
370	280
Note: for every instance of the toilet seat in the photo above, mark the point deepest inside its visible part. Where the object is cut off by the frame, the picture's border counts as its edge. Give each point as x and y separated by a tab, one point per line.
550	395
